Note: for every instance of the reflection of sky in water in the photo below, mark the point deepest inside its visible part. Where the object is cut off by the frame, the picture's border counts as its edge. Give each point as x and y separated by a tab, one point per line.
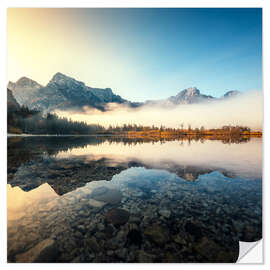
230	208
144	183
243	159
18	200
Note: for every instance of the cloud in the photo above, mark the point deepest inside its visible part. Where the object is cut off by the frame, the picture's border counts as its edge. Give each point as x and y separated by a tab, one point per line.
245	110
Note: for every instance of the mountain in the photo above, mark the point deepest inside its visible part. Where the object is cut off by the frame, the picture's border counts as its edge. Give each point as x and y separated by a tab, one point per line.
62	92
12	104
190	95
232	93
24	89
187	96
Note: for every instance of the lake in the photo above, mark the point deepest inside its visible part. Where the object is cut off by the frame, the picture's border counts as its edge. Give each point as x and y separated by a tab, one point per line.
110	199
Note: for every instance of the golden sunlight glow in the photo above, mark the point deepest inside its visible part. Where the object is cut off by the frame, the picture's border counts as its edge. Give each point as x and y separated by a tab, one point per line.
18	200
43	41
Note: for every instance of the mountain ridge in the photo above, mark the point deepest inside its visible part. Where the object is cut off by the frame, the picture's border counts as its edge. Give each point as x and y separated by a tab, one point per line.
63	92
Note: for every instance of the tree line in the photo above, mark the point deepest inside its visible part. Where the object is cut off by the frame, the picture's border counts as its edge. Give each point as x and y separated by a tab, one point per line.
24	120
29	121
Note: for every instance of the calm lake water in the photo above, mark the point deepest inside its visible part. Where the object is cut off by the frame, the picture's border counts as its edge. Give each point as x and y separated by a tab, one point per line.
105	199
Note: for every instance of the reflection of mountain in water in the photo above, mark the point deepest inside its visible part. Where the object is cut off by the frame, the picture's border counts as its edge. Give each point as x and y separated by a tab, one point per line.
172	220
23	149
32	162
62	175
66	175
145	208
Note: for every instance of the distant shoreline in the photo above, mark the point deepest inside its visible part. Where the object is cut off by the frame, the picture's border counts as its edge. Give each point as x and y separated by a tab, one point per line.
207	133
10	135
153	134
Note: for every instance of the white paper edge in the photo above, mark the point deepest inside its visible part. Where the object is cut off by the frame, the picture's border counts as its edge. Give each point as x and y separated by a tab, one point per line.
250	252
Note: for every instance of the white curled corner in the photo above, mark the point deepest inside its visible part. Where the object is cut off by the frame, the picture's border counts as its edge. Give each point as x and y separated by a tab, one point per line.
250	252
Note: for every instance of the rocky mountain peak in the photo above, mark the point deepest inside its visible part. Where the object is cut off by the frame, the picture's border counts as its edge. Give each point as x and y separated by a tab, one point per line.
24	89
188	96
191	91
25	82
232	93
62	79
62	92
60	76
109	90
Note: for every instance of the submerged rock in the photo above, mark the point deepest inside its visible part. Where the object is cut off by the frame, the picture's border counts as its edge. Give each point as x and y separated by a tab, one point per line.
107	195
117	216
194	230
91	243
121	253
134	237
165	213
96	203
45	251
143	257
156	234
213	252
179	239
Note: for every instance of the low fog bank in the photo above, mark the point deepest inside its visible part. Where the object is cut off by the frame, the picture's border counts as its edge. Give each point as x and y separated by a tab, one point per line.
245	110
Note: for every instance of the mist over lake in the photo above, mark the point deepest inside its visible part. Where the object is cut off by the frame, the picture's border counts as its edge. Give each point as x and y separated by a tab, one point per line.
242	110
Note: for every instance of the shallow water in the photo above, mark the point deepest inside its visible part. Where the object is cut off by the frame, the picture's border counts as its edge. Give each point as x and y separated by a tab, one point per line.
95	199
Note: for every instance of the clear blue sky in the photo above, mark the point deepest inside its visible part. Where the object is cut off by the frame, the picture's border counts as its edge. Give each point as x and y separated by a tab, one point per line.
149	53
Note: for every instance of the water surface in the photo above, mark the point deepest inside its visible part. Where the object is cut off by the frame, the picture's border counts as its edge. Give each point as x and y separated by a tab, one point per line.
105	199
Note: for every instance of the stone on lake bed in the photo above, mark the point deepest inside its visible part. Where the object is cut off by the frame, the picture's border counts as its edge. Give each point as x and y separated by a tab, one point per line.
134	237
95	203
100	227
194	230
121	253
107	195
45	251
179	239
165	213
210	250
117	216
92	244
156	234
144	257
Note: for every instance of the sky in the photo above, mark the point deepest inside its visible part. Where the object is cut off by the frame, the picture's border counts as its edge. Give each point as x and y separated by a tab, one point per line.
140	53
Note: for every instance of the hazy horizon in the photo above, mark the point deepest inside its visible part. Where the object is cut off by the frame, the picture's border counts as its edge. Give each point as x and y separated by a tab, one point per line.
241	110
